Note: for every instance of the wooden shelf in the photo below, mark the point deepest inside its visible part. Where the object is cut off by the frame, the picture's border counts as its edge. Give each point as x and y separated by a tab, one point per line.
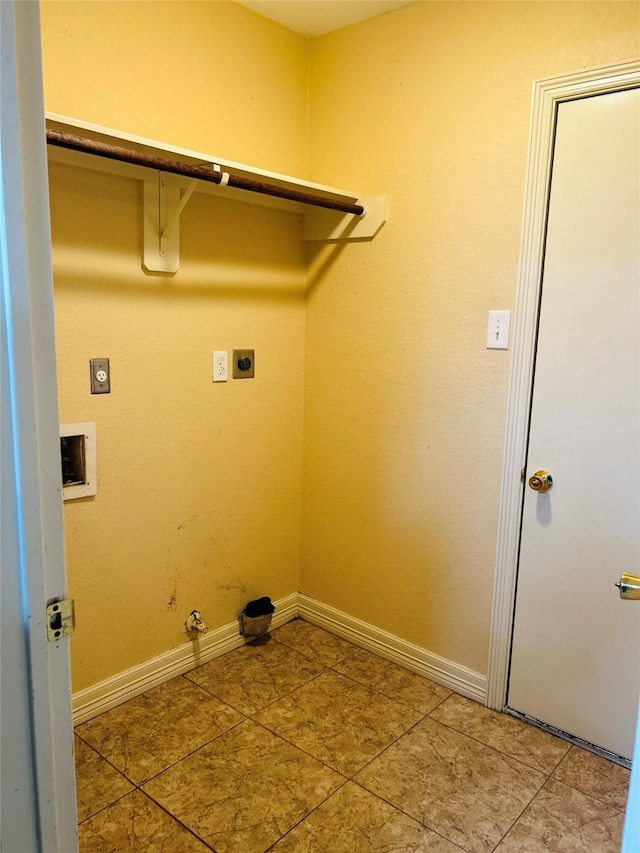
164	191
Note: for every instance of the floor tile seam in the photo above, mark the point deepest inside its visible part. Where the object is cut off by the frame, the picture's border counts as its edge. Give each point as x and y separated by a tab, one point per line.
104	758
442	701
424	823
386	696
286	740
185	756
108	805
206	690
215	696
387	747
537	794
250	714
253	714
300	618
313	659
399	809
307	815
546	773
545	776
176	819
185	676
535	797
515	821
295	650
280	736
569	745
563	756
554	778
347	775
235	707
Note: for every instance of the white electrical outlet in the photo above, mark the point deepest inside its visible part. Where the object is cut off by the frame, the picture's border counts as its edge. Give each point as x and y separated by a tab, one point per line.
220	370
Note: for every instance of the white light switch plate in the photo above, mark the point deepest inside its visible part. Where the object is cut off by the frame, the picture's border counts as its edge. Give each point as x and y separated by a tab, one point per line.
498	330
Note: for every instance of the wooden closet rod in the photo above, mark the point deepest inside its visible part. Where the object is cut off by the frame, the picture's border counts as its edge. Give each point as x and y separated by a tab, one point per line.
202	173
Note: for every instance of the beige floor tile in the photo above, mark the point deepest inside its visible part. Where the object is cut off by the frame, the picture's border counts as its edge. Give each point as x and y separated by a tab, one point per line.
245	790
97	783
149	733
562	820
135	824
339	721
314	643
253	676
393	681
595	776
462	789
354	821
503	732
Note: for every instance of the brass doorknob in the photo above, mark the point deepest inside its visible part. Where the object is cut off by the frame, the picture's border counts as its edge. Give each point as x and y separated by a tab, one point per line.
629	586
541	481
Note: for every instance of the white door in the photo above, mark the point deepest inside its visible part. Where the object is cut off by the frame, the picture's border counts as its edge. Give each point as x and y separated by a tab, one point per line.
575	653
37	794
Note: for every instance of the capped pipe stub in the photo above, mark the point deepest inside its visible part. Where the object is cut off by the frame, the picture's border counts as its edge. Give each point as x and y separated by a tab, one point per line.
194	623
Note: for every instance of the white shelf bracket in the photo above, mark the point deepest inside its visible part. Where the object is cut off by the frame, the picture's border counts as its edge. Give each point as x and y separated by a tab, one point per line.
161	231
178	210
333	226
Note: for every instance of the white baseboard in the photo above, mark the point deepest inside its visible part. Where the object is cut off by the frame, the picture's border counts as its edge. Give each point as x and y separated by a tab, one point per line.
452	675
119	688
125	685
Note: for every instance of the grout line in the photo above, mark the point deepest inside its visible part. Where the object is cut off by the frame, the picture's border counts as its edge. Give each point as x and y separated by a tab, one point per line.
250	717
174	818
193	752
108	806
304	818
397	808
452	728
389	745
377	690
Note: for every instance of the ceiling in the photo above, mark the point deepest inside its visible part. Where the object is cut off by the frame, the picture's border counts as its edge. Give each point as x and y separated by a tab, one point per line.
313	18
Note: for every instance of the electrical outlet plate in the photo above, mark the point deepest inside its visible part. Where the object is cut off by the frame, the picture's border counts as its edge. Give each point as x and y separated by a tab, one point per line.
100	375
220	369
243	364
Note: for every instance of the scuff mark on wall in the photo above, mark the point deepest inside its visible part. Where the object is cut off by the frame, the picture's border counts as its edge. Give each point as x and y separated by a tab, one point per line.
229	586
193	518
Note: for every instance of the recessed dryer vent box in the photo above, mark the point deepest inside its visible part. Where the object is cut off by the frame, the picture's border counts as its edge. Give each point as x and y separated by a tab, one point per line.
78	460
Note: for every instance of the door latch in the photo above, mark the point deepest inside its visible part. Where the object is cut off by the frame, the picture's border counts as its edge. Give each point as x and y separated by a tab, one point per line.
629	586
61	618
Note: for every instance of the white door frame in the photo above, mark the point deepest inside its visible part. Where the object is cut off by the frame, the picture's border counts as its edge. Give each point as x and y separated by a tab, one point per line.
548	94
37	790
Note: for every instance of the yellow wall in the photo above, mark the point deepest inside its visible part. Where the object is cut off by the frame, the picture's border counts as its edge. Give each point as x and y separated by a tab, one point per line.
405	408
199	485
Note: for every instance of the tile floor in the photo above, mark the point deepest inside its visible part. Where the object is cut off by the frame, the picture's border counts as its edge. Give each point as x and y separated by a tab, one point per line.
303	743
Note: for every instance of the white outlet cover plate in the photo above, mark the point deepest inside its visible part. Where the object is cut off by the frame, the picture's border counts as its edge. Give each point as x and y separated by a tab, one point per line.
220	369
498	330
